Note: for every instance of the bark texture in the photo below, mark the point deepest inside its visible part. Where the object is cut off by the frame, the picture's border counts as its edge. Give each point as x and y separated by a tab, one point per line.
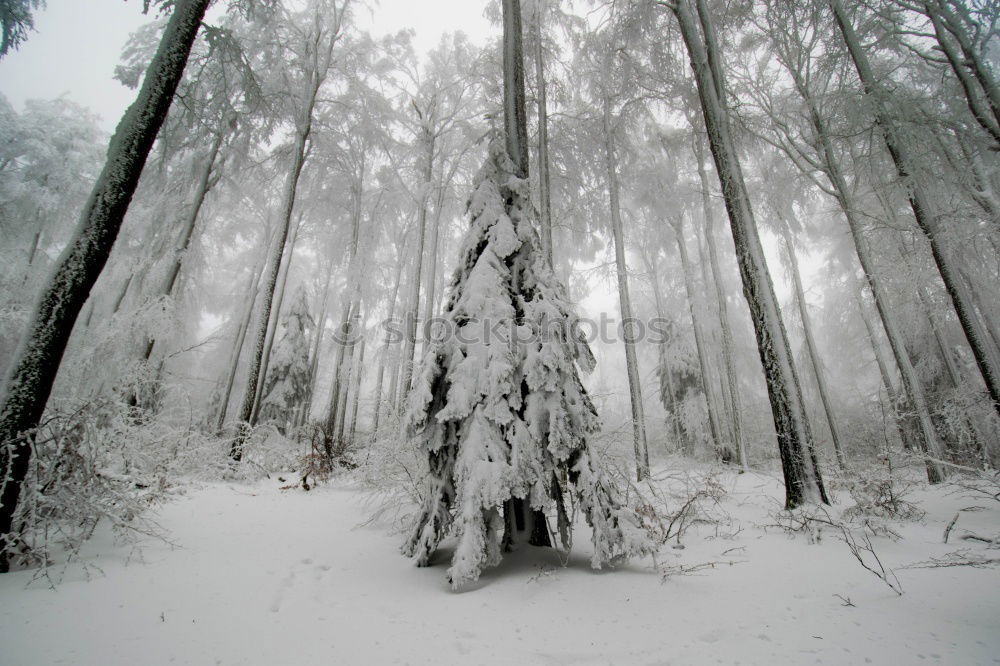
728	354
803	481
37	361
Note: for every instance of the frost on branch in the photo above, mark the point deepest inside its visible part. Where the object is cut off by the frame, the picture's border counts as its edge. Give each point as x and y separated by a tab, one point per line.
497	403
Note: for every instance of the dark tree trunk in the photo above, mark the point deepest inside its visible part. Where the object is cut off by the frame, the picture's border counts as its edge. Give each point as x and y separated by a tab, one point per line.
803	481
515	122
521	521
38	359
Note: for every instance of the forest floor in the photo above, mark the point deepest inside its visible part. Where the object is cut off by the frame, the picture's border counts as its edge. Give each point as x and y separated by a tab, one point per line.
259	575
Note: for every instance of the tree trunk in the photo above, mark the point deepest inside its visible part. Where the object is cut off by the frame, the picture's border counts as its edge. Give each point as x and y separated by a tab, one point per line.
274	322
410	340
205	184
35	243
288	204
37	362
184	242
811	348
431	277
521	522
951	368
121	295
723	403
625	304
732	377
253	286
359	362
377	413
395	397
669	403
90	314
314	354
965	78
947	359
803	481
883	369
346	372
989	320
967	65
699	339
515	120
923	211
345	333
544	185
927	435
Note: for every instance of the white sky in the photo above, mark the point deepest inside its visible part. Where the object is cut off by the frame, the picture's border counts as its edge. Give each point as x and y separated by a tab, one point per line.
76	45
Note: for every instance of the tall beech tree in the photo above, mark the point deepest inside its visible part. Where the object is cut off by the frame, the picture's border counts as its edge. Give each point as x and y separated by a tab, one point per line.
795	35
803	481
37	362
324	31
442	99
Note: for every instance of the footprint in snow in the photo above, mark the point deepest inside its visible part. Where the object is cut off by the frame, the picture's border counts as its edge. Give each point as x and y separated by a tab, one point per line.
279	595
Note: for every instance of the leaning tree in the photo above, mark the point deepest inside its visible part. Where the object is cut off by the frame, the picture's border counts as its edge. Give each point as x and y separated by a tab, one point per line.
37	361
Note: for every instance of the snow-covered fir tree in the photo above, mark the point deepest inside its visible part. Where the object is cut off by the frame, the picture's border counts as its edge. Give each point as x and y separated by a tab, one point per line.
289	372
497	403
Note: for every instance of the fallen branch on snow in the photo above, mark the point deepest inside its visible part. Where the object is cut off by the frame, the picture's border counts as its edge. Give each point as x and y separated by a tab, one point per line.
959	558
670	570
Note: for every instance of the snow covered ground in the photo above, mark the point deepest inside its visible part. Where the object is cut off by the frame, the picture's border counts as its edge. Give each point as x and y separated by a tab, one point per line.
259	575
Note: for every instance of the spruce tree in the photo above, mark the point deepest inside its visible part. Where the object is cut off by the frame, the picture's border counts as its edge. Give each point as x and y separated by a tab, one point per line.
497	404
